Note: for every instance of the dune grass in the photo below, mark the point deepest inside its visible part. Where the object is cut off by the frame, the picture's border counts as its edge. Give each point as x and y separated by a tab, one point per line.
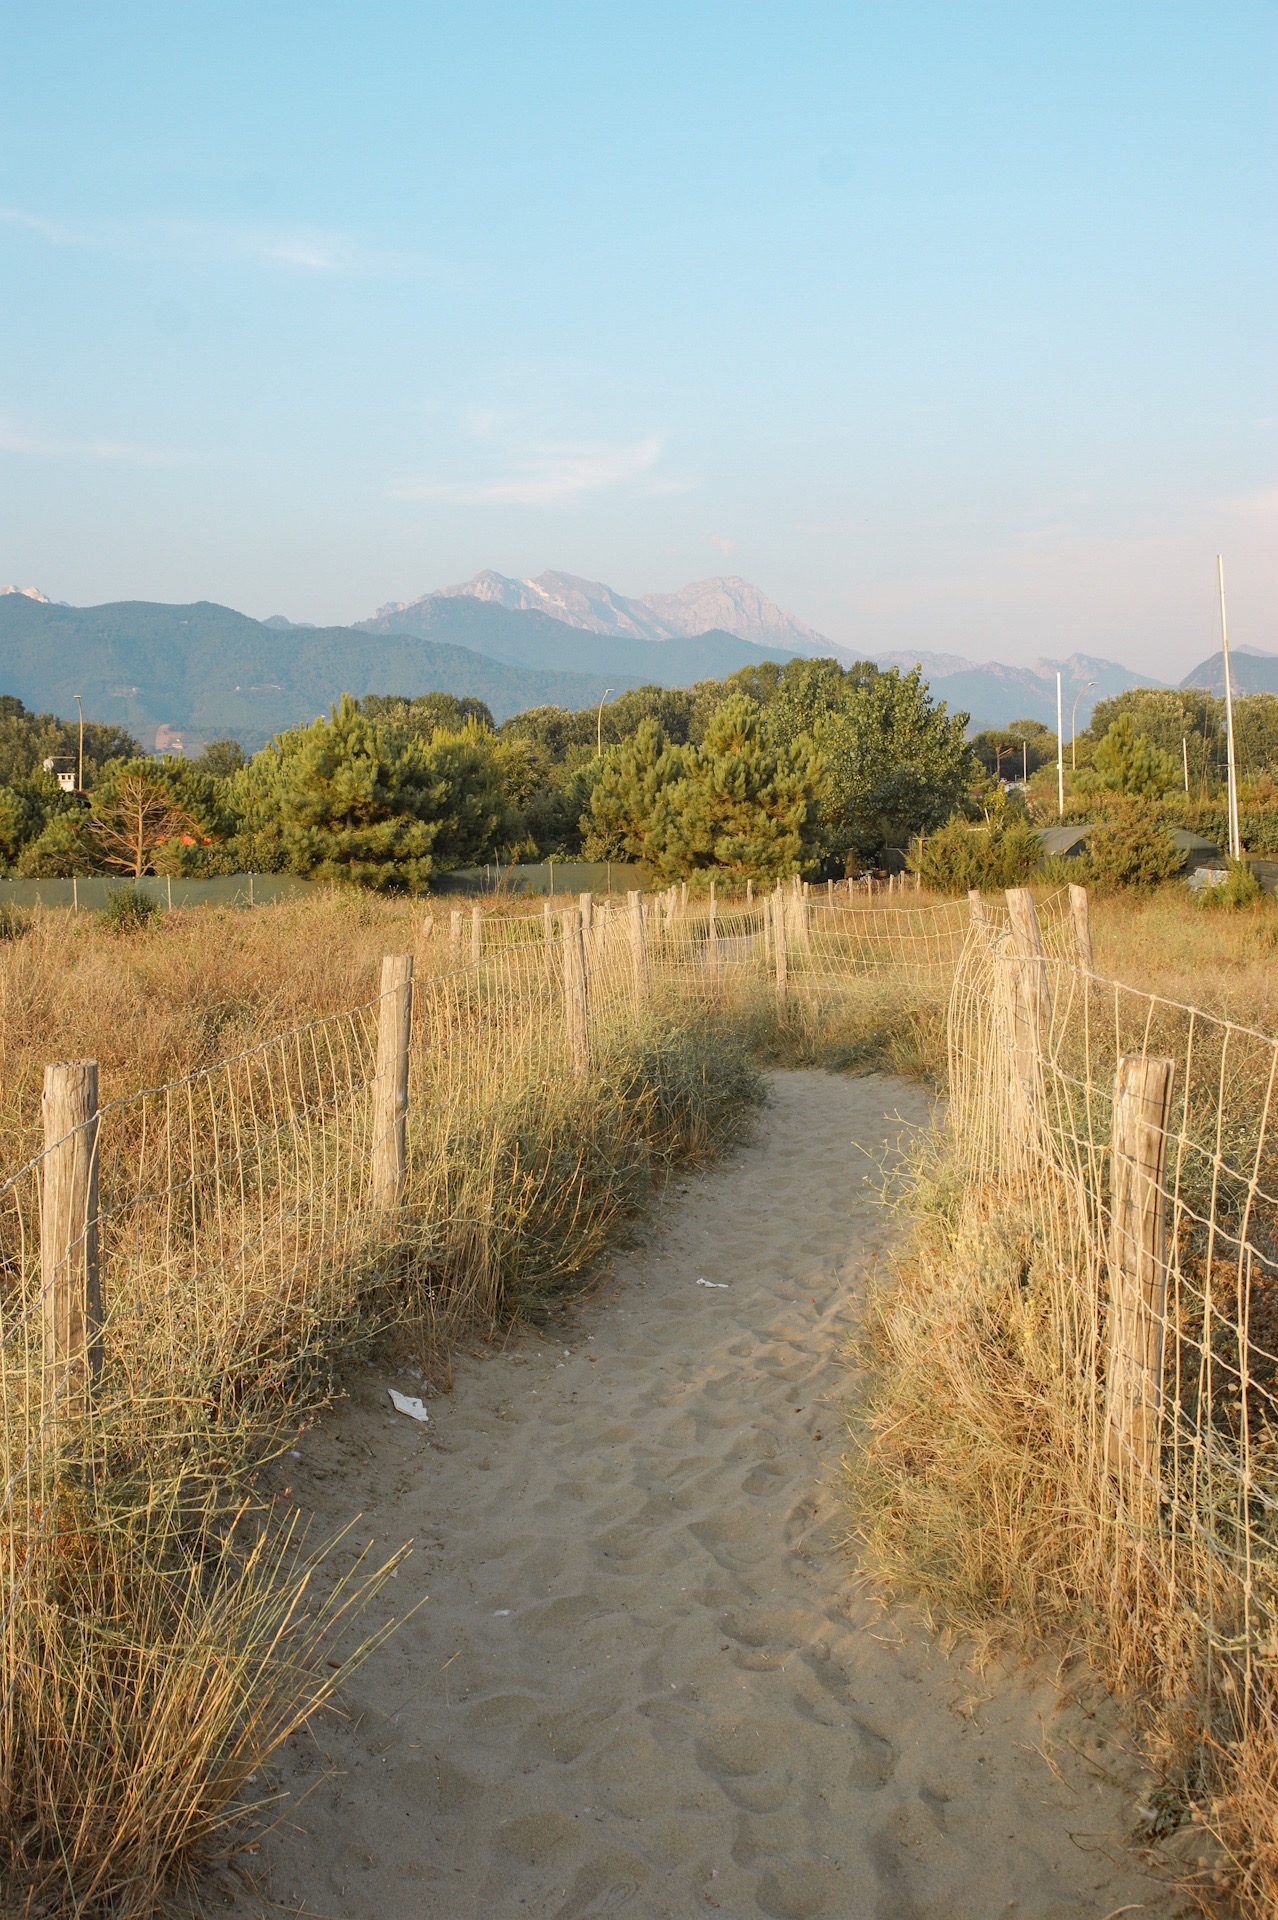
161	1635
974	1479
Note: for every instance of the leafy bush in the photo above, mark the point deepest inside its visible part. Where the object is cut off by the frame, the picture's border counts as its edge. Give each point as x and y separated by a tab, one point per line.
129	910
1133	849
12	923
1002	853
1240	889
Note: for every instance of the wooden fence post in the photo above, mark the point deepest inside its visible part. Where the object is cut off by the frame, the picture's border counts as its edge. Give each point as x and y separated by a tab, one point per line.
1030	1010
780	952
767	933
749	895
586	903
548	925
455	935
71	1288
976	905
712	934
638	944
576	993
1080	915
476	935
390	1088
1137	1268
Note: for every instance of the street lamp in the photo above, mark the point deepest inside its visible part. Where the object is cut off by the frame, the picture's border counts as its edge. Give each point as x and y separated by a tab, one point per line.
599	727
79	758
1073	730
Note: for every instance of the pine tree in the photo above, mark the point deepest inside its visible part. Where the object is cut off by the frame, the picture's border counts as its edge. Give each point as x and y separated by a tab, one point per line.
1129	762
349	799
744	804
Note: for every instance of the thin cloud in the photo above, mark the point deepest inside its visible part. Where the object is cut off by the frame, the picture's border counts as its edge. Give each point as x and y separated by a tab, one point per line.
292	247
42	447
553	475
721	541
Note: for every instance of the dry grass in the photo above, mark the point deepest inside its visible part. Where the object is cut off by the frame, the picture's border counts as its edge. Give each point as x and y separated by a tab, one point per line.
159	1640
1223	961
982	1486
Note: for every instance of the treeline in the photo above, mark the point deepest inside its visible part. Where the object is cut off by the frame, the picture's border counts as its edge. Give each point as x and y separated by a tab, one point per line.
804	768
807	768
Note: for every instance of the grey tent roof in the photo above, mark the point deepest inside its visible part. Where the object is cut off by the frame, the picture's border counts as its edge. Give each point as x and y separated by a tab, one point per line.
1065	843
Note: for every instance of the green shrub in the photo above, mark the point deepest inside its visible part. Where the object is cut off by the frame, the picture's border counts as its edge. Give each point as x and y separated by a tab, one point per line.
12	923
1240	889
1133	849
129	910
1003	853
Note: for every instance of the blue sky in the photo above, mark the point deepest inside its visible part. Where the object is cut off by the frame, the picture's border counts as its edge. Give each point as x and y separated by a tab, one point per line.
950	326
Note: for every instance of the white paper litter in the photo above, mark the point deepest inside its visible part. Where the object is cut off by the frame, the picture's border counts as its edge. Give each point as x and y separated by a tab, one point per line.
714	1283
409	1404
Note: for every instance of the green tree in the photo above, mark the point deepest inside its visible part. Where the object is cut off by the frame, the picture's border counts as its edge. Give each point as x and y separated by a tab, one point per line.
425	714
1001	852
27	740
1015	752
346	799
632	780
64	848
1128	762
896	762
220	759
1133	848
745	804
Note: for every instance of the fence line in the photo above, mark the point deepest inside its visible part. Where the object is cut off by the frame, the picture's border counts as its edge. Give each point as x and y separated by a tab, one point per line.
245	1212
1137	1138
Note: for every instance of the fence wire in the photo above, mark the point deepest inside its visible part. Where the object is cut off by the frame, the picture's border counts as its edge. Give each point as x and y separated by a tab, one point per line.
240	1229
1155	1233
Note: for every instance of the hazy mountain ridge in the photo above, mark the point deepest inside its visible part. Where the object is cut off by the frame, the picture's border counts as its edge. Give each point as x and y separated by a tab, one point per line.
207	671
725	604
1251	669
531	638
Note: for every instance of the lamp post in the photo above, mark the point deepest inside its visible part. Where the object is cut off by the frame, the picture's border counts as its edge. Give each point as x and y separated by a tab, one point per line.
79	757
599	725
1073	725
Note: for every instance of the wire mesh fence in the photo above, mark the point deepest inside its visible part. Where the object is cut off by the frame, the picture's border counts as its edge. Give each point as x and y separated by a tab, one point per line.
1137	1135
172	1264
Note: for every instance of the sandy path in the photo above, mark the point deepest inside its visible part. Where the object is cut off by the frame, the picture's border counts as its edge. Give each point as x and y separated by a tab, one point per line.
645	1682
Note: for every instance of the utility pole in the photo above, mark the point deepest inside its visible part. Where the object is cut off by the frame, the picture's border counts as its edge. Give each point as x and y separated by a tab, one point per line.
1073	726
79	758
1060	752
1235	838
599	727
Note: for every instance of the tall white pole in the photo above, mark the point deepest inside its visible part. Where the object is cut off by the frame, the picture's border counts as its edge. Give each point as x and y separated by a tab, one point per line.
1235	838
1060	750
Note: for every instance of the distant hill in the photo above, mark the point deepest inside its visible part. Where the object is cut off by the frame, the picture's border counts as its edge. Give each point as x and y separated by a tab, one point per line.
530	638
205	671
995	695
726	604
1250	669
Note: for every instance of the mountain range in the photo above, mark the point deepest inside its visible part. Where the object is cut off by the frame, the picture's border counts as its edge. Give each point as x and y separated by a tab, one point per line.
203	670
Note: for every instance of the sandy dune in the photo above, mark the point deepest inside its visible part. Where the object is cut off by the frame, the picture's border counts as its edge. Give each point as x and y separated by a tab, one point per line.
646	1681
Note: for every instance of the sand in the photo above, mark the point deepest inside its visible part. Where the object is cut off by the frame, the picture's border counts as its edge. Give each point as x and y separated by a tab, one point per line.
647	1680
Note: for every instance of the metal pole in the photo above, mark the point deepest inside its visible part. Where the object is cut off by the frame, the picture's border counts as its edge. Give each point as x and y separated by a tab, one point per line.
1060	752
599	727
79	758
1073	725
1235	839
